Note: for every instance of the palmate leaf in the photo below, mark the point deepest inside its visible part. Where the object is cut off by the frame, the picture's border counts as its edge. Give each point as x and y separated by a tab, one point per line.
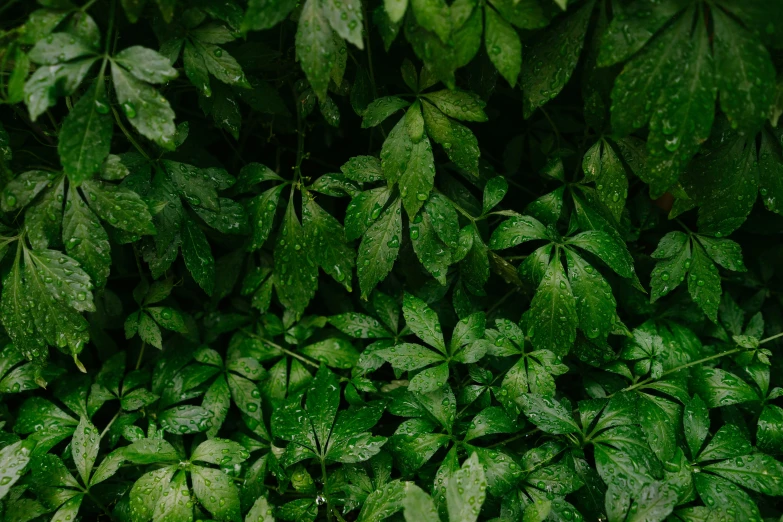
693	256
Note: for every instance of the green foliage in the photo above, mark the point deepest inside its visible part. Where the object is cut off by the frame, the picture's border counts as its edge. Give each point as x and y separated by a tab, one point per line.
521	264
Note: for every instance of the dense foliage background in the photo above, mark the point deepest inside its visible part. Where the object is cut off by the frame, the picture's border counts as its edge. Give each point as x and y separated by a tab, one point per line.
342	260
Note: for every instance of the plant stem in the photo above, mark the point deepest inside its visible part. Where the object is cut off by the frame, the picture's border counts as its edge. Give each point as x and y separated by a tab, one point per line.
682	367
325	479
282	349
128	134
515	437
768	339
106	429
141	355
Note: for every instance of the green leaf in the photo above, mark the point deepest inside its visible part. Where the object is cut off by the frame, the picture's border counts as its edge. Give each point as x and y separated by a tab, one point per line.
417	180
380	109
174	503
69	509
414	122
185	419
720	388
681	123
315	46
85	137
503	46
323	399
262	209
345	20
216	492
595	304
517	230
725	200
465	491
433	15
725	252
336	352
728	442
43	219
489	421
622	455
198	255
704	283
696	424
85	445
632	27
379	248
423	321
461	105
230	219
384	502
261	511
148	330
554	317
434	255
430	379
359	325
548	414
724	500
219	63
120	206
296	274
551	59
59	47
146	494
47	83
409	356
146	65
458	141
168	318
603	166
769	434
417	505
20	191
262	15
669	273
654	502
146	109
758	472
609	249
326	239
658	418
645	74
746	77
63	278
363	169
13	459
494	191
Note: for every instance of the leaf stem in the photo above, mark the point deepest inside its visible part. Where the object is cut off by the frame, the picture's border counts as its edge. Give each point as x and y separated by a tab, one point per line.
282	349
325	478
128	134
768	339
106	429
515	437
141	354
682	367
683	225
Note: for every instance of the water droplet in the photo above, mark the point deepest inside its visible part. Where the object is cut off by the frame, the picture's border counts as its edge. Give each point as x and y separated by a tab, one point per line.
129	109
